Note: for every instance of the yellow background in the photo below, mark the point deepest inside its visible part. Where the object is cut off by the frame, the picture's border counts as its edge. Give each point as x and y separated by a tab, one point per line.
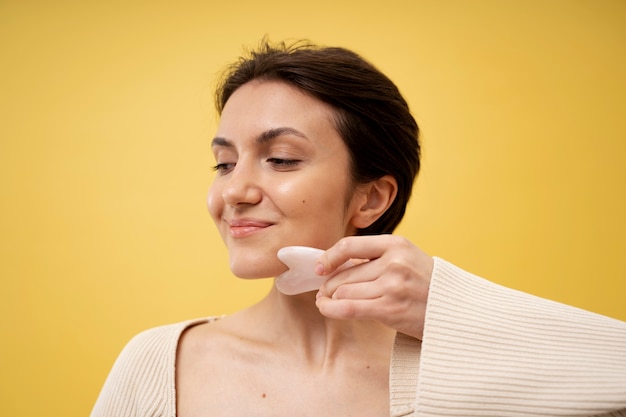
106	115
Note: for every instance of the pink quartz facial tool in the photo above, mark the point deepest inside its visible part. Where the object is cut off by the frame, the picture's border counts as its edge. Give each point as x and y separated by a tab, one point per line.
301	276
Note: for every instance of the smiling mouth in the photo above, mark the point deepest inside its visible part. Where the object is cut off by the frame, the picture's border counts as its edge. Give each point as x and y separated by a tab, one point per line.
245	228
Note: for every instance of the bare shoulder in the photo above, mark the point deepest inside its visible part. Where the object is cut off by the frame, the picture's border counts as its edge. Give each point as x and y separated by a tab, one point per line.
208	340
208	350
214	361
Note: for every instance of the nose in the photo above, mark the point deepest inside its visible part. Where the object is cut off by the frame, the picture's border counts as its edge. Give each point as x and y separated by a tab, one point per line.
242	186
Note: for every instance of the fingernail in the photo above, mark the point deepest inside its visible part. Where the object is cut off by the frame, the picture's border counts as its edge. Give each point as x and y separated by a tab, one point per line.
319	269
319	295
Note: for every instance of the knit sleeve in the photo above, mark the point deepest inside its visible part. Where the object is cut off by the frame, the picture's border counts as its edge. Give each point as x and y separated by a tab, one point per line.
142	380
493	351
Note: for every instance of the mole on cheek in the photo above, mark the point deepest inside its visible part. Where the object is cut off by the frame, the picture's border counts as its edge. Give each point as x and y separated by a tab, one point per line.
303	201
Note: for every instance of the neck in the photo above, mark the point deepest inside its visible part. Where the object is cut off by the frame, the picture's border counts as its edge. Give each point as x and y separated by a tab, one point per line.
295	324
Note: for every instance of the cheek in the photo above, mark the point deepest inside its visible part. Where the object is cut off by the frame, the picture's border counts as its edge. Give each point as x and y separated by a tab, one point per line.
300	199
320	198
287	196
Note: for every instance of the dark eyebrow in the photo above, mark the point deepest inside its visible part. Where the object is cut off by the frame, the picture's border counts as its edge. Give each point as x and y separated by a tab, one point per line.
219	141
264	137
270	134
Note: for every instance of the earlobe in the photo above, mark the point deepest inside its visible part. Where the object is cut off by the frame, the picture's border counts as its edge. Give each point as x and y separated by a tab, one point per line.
377	196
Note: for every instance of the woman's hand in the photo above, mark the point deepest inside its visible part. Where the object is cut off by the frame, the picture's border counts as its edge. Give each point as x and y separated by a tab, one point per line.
389	282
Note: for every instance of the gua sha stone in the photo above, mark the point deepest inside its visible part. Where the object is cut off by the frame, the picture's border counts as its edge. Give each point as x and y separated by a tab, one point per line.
301	276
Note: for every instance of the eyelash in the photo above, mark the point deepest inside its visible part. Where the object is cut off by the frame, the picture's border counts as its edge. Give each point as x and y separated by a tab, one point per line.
279	162
223	167
283	162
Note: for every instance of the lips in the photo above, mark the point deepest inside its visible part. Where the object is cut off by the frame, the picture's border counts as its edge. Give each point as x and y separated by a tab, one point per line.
240	228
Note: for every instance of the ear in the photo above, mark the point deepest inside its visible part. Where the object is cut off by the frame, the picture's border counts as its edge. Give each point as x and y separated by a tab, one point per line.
372	199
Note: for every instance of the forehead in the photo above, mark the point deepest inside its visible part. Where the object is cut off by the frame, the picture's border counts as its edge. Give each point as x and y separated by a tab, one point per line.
267	104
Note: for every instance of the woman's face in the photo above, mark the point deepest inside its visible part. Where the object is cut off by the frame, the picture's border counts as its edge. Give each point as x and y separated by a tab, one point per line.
282	177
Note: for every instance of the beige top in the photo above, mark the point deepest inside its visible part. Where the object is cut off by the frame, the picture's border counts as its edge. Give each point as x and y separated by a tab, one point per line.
487	351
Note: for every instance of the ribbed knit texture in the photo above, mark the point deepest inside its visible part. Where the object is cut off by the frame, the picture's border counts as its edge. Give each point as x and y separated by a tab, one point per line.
403	375
142	381
493	351
487	351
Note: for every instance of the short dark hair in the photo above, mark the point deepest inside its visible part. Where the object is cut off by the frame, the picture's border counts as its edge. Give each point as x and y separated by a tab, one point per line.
372	117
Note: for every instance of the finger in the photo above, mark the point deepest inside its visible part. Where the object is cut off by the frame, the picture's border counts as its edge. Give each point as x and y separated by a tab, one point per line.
363	272
357	291
406	317
347	309
353	247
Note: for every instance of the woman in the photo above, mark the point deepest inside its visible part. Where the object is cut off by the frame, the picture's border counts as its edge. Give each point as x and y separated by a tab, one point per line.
316	147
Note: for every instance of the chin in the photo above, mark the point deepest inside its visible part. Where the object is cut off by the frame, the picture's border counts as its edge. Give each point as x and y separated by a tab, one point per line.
247	267
254	273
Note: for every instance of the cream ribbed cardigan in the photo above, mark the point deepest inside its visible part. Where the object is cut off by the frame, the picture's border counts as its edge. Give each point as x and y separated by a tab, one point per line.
487	351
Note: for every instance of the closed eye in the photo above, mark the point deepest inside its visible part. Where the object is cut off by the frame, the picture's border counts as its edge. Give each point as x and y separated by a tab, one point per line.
283	163
223	168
